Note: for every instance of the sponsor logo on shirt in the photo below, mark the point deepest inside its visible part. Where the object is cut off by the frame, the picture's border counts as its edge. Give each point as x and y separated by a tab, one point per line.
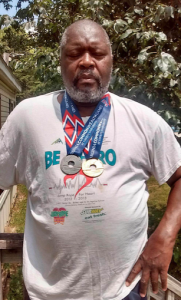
59	215
91	211
94	213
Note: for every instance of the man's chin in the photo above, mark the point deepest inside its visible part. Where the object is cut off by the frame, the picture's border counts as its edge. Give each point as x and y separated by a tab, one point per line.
86	94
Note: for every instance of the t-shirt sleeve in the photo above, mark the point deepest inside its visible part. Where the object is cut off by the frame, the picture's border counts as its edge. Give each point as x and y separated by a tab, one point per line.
8	163
166	152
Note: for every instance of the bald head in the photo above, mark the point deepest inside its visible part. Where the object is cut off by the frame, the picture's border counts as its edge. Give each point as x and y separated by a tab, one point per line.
83	25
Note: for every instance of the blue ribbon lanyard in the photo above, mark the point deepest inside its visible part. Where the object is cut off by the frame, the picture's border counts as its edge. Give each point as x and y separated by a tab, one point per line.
86	138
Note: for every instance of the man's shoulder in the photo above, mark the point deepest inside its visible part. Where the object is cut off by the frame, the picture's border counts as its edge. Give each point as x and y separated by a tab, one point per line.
142	116
36	101
32	108
132	105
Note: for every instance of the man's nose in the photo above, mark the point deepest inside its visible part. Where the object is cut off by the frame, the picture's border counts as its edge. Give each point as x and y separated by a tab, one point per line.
86	61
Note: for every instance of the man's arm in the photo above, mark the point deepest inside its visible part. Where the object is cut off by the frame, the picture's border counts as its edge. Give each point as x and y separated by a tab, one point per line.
157	254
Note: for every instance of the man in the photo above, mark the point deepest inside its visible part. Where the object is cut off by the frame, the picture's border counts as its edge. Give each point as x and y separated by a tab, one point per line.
85	156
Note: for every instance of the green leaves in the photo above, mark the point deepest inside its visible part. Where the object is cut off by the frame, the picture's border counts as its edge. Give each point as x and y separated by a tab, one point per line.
119	25
169	13
7	4
139	11
166	64
145	37
164	13
143	55
148	35
126	34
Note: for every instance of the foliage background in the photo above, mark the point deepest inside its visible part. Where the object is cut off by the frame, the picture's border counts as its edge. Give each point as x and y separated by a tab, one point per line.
145	37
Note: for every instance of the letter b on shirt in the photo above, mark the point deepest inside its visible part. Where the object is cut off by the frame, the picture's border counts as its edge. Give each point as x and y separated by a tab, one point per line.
52	158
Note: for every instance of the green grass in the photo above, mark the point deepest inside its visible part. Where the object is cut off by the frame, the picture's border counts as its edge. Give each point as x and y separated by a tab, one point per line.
16	285
17	221
19	210
157	202
156	206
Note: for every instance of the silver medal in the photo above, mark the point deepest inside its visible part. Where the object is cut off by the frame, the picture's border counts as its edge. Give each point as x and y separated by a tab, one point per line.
71	164
92	167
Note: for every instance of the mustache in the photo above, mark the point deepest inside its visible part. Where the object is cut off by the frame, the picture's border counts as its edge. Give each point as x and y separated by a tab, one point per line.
89	73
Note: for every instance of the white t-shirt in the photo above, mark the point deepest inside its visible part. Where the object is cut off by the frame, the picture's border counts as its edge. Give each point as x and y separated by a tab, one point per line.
83	235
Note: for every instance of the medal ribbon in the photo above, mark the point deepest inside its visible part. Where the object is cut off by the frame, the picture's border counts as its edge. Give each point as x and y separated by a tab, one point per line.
86	138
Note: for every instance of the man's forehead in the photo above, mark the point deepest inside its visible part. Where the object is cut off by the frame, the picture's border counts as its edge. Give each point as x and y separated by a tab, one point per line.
85	31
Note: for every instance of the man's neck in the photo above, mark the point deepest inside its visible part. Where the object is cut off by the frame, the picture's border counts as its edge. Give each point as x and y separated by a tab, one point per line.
85	108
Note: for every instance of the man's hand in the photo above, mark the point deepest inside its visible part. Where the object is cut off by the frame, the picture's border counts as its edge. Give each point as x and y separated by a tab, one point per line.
153	262
157	254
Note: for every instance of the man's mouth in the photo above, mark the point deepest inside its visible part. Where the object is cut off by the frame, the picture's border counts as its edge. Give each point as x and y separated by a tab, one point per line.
86	78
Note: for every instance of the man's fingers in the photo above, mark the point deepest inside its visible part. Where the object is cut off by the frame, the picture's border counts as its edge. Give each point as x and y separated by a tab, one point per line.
154	280
163	277
144	282
135	270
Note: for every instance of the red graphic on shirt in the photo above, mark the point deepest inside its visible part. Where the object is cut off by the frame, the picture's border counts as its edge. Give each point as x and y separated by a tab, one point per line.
88	180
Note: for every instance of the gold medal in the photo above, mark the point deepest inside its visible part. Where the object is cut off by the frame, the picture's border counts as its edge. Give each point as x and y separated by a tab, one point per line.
92	167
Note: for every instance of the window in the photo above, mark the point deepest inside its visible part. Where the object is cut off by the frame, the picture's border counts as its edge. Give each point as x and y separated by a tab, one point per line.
11	105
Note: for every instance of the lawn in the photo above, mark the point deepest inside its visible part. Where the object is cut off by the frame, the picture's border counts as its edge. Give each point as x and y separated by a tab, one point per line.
156	207
14	286
156	203
17	218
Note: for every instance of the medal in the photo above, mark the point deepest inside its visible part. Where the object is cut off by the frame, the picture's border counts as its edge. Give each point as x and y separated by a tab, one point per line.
92	167
71	164
86	138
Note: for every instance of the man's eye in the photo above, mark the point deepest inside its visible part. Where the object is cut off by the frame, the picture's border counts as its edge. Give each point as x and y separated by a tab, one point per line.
99	54
73	54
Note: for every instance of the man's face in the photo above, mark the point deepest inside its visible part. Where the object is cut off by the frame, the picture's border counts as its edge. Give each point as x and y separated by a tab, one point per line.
86	63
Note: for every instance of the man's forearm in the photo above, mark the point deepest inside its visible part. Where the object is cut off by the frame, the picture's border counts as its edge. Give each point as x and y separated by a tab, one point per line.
157	254
170	223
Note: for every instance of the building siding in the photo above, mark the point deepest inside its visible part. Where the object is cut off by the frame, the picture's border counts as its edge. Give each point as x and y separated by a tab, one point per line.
0	120
5	109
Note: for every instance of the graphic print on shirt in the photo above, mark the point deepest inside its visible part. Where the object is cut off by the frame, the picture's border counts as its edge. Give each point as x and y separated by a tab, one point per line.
59	189
53	158
92	214
106	157
87	182
59	215
57	141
